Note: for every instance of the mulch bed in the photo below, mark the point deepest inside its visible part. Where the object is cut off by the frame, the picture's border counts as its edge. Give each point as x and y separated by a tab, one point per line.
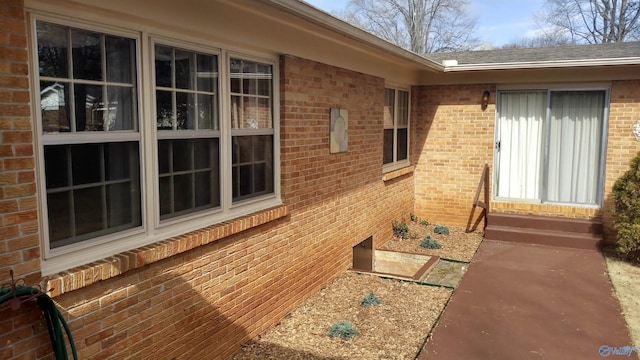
395	329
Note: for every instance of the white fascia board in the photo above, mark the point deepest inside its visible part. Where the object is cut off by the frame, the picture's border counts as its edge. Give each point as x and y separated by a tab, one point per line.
542	64
321	18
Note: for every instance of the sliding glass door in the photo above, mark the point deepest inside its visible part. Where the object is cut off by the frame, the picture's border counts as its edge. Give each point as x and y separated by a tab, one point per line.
549	146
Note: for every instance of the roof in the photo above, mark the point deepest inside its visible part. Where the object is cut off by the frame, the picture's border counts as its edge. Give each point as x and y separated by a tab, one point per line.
621	50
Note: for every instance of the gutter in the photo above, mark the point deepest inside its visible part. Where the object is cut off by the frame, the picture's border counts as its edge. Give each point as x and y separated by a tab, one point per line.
312	14
452	65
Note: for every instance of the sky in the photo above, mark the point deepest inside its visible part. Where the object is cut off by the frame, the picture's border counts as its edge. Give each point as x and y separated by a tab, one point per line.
499	21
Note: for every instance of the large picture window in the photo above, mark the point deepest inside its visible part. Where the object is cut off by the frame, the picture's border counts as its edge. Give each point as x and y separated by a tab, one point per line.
99	129
396	126
549	146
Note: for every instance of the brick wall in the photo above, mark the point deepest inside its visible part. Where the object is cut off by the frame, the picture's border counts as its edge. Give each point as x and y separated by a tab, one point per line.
455	138
624	110
205	302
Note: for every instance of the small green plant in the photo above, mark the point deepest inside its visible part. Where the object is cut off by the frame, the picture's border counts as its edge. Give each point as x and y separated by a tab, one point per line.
441	229
626	194
414	218
370	299
424	222
430	243
343	329
400	229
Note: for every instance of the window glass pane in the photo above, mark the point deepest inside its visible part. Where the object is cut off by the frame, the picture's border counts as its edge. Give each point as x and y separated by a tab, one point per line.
119	208
86	161
207	115
164	110
56	166
81	212
120	114
202	153
243	149
252	166
53	44
244	181
388	147
185	69
403	108
203	188
207	73
164	156
163	56
235	84
183	192
87	55
193	183
236	111
185	106
165	195
54	105
117	161
59	216
389	108
402	150
88	210
182	152
120	53
90	110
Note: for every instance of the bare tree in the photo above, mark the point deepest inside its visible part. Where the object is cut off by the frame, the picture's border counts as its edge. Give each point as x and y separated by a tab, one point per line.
593	21
422	26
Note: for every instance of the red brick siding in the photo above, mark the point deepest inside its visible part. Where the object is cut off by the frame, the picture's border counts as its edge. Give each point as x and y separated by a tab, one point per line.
454	139
205	302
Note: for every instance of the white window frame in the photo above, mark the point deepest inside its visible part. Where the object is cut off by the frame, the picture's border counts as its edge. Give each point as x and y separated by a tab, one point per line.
549	88
397	164
152	229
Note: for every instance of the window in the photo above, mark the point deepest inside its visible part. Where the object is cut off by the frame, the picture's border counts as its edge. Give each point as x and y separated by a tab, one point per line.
396	126
252	128
549	145
188	130
89	132
208	157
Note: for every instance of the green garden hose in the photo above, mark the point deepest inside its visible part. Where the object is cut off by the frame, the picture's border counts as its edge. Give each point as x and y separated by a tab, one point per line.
53	317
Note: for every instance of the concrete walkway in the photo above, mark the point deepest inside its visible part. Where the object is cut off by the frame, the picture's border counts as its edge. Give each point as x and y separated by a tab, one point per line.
520	301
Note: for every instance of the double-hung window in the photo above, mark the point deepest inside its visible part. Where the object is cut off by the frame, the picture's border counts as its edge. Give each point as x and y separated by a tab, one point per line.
396	127
252	132
89	132
124	163
188	130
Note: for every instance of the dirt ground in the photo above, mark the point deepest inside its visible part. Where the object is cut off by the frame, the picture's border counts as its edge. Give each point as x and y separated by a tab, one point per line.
626	282
458	245
395	329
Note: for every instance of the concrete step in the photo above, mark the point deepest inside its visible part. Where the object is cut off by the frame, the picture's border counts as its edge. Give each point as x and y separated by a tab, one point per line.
546	223
543	230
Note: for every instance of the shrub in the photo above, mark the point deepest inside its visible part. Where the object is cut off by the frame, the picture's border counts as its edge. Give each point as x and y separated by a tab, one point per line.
424	222
441	229
413	217
343	329
430	243
400	229
626	193
370	299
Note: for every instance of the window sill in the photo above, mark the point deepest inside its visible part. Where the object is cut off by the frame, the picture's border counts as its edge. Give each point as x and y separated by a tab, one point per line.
110	267
397	173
